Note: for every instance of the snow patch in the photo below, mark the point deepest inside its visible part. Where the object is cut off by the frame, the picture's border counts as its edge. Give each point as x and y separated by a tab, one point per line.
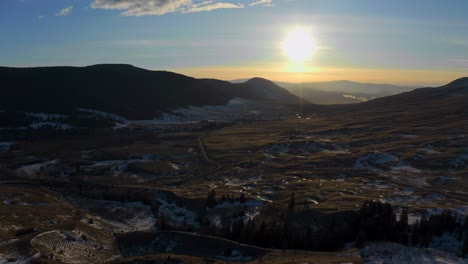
374	158
45	116
236	256
235	109
6	146
391	253
56	125
177	214
104	115
35	168
429	151
128	216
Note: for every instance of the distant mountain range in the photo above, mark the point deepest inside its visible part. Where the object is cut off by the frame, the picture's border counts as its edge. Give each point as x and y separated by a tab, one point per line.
125	90
340	92
441	103
136	93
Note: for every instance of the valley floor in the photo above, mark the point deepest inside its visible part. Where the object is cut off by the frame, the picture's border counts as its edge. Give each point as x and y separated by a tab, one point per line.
107	195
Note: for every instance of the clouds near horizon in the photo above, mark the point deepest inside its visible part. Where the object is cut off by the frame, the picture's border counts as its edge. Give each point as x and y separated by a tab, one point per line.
161	7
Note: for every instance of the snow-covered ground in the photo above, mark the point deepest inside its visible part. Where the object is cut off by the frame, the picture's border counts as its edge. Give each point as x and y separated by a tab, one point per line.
462	211
448	242
56	125
104	115
308	146
45	116
429	150
236	256
5	146
127	216
250	209
242	182
392	253
118	166
405	168
461	161
35	168
374	158
235	109
176	214
41	119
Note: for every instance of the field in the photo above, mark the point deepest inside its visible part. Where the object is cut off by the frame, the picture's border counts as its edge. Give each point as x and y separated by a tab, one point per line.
107	195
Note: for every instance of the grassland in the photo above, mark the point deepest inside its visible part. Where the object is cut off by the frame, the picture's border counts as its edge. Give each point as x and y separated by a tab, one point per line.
69	197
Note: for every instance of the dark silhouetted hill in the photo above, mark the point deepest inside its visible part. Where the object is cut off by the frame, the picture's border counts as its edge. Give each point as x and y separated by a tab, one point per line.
120	89
262	89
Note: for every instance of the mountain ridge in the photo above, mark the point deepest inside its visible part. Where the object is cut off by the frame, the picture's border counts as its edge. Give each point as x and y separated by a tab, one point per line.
122	89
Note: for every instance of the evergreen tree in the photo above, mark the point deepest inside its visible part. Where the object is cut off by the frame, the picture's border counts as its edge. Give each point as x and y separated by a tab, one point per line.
402	226
259	237
211	200
377	222
242	198
161	222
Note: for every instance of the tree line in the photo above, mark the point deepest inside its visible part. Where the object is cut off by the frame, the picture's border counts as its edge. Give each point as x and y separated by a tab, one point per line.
374	221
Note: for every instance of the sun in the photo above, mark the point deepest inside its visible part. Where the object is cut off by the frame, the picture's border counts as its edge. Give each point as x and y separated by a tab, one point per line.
298	46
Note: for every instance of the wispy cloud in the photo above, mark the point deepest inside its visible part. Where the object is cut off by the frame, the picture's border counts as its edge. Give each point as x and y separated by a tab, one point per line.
161	7
210	5
40	17
263	3
65	11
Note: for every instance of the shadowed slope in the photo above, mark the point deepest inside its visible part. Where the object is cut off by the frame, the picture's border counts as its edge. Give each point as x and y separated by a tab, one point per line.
120	89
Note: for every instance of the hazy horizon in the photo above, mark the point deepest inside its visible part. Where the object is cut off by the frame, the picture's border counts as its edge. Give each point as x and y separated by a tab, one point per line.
421	43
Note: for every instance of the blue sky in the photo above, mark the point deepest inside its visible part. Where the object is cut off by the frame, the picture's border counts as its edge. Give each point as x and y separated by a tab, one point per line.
411	42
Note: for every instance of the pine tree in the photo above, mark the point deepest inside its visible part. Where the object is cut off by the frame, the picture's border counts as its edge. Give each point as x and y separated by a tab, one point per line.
403	227
211	200
161	222
242	198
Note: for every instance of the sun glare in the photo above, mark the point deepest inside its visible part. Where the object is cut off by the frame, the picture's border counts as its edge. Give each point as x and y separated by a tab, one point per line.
298	47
